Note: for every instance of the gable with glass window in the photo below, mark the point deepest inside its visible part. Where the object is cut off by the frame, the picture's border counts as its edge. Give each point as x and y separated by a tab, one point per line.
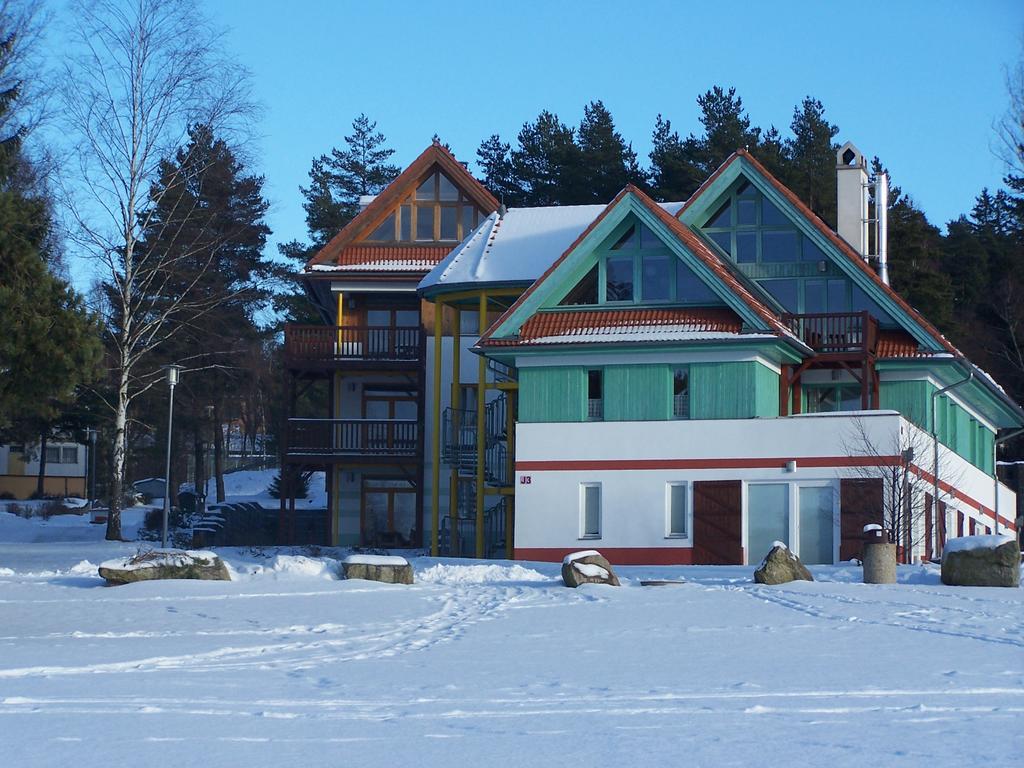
437	211
635	267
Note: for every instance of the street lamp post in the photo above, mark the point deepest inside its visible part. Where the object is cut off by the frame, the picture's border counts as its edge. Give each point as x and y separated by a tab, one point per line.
172	380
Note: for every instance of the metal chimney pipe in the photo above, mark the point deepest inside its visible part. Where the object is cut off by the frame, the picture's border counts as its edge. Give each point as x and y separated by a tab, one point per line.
882	225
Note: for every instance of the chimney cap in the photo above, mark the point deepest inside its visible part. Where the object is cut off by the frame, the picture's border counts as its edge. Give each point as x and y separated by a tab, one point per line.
848	156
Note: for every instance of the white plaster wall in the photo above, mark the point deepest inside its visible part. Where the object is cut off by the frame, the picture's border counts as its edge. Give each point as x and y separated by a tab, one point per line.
633	500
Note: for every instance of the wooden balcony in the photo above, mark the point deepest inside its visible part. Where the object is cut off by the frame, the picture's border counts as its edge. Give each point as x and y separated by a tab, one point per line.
836	334
370	440
326	346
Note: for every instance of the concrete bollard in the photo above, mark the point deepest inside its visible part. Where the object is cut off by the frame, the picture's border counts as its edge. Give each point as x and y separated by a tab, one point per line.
879	563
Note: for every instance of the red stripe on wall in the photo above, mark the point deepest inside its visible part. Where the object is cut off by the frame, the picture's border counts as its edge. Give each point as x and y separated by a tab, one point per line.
766	463
615	555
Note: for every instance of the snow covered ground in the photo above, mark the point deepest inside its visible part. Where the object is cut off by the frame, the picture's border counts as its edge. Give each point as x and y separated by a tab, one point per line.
494	664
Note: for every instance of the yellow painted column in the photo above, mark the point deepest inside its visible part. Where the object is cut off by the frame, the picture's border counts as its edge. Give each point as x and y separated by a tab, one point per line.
435	477
481	430
456	404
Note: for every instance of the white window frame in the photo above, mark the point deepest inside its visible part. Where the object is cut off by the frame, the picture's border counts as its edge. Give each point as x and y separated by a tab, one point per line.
583	511
688	496
793	503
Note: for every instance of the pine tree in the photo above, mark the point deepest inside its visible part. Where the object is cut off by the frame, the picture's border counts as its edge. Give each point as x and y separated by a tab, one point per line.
495	161
727	128
338	180
673	174
216	257
810	172
50	344
607	162
546	162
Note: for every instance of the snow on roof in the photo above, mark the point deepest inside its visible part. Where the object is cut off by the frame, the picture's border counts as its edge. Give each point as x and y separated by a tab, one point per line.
662	333
517	247
375	266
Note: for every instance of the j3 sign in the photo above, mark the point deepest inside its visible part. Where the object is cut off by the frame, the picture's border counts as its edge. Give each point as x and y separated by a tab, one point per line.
525	479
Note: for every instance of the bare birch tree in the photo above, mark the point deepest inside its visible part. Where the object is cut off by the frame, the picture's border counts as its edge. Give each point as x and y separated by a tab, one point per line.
140	73
899	463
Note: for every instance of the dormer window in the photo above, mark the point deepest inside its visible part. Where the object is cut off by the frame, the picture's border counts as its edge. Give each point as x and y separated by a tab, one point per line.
638	268
436	211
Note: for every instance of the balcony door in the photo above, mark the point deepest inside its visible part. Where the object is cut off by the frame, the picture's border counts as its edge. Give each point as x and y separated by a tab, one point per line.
391	333
388	514
380	410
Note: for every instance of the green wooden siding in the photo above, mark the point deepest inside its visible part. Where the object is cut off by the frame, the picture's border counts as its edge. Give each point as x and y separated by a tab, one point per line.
552	394
733	390
910	398
954	426
637	393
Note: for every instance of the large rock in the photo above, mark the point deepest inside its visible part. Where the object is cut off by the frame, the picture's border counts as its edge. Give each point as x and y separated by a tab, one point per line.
981	561
587	567
390	570
781	566
165	564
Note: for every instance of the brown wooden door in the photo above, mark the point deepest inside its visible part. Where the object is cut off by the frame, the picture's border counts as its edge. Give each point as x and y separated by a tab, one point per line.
860	504
717	522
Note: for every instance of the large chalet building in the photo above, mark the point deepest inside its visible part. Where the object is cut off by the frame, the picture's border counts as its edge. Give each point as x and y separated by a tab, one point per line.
670	382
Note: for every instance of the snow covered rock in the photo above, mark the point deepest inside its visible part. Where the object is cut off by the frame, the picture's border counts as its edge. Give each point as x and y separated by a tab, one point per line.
390	570
981	561
165	564
780	566
587	567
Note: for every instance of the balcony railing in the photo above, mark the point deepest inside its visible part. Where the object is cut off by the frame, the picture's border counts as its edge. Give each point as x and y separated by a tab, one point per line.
353	437
836	333
305	344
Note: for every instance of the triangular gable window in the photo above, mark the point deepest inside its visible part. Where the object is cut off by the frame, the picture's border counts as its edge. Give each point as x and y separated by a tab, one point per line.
436	211
585	292
638	268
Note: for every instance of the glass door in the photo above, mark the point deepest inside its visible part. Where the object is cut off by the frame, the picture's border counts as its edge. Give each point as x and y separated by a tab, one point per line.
816	524
767	518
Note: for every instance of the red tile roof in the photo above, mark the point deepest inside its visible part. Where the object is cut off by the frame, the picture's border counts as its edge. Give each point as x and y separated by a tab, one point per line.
898	343
370	254
387	200
569	322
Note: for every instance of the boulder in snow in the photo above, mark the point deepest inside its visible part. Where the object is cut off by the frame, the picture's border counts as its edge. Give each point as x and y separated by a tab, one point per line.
781	566
165	564
587	567
387	569
981	561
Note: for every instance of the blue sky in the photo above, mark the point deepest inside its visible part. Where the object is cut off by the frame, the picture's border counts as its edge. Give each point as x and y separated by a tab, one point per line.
918	83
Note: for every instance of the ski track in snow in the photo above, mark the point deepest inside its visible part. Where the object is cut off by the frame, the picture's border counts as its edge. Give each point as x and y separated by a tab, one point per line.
926	622
334	643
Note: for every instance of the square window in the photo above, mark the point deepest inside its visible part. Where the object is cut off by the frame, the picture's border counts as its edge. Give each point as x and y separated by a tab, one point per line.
425	222
590	510
53	454
619	279
449	222
69	454
676	510
780	246
657	283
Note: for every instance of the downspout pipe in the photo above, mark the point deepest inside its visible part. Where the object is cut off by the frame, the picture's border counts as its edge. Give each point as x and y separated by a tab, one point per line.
935	438
995	471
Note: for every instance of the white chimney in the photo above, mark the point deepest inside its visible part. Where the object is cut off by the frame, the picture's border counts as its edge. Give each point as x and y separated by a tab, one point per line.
852	197
365	200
